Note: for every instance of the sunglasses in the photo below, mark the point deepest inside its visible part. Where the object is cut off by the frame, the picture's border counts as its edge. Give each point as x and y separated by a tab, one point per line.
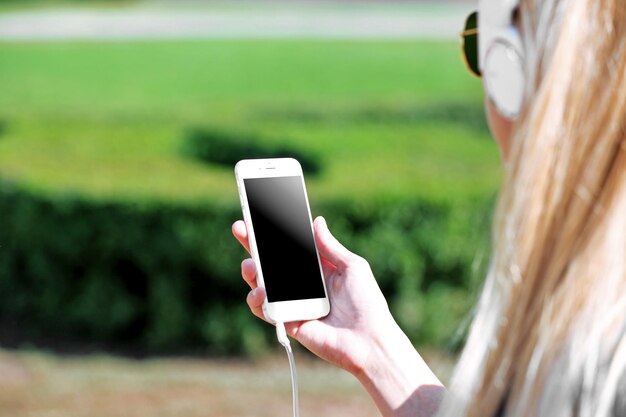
469	38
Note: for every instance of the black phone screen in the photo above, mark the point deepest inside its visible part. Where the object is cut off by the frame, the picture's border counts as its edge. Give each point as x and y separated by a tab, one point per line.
284	238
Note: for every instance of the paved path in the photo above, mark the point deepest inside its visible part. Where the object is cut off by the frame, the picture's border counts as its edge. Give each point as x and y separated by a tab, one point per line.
434	21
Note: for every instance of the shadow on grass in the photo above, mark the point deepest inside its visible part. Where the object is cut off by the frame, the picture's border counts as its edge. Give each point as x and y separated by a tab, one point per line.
469	115
215	146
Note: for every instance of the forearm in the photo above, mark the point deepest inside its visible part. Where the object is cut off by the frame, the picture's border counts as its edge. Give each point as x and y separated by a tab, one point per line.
398	379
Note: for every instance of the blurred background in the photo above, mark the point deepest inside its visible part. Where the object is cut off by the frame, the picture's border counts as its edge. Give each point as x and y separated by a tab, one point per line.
120	124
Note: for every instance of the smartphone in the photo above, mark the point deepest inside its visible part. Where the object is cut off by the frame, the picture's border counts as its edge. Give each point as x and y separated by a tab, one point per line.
282	243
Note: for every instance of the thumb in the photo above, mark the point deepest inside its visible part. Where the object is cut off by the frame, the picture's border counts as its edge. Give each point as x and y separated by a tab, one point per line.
328	246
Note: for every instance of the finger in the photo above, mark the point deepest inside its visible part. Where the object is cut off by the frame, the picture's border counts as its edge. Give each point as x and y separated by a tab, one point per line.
306	332
327	268
255	300
328	246
241	234
248	272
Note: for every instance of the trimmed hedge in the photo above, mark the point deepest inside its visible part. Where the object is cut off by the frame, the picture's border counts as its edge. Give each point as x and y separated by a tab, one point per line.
213	146
162	278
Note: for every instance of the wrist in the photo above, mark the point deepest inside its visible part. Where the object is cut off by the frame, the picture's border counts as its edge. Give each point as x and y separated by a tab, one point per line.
397	378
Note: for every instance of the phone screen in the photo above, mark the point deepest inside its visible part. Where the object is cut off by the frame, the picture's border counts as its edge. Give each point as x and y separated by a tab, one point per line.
284	238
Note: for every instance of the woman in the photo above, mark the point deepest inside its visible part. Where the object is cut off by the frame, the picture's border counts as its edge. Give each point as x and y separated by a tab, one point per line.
549	336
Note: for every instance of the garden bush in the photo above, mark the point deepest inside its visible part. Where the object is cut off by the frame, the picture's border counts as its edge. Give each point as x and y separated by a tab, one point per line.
223	147
164	277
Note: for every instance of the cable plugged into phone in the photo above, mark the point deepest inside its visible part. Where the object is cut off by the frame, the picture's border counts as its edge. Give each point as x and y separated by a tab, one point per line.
281	333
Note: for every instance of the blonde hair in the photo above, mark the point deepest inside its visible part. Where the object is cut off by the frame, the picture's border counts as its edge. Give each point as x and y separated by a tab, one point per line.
549	336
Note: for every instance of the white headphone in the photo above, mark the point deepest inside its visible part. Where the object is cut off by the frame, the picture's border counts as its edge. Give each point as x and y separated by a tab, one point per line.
501	56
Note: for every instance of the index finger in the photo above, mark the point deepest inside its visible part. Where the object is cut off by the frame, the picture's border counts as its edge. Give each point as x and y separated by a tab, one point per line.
241	234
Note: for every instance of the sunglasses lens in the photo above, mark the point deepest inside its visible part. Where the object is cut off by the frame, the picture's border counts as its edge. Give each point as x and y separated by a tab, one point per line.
470	43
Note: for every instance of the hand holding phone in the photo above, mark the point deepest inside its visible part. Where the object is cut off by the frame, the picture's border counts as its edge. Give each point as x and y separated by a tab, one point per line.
359	334
359	318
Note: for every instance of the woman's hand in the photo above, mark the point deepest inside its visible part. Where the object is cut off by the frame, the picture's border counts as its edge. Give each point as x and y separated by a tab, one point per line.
358	314
359	334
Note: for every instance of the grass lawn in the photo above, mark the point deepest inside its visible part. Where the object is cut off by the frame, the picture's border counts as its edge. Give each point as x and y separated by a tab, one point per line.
387	119
38	384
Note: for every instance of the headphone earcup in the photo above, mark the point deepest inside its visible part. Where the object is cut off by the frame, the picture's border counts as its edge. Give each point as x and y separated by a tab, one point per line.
503	72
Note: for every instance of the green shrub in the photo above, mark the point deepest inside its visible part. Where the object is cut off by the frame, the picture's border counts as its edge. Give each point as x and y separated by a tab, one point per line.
165	277
227	148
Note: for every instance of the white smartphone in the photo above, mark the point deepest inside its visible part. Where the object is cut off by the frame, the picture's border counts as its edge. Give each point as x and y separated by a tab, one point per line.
282	243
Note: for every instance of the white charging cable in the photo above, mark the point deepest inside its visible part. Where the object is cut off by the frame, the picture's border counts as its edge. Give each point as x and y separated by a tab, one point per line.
281	333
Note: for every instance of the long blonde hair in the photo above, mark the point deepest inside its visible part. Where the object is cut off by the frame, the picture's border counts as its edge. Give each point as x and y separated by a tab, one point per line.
549	336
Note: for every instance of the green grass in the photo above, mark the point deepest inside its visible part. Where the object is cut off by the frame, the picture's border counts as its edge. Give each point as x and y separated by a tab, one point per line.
397	119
